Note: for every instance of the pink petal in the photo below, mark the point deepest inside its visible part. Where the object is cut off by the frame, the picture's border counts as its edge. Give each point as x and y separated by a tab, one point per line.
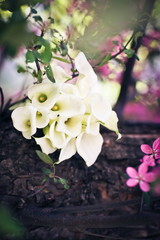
157	155
131	172
144	186
132	182
142	169
149	160
146	148
150	177
156	144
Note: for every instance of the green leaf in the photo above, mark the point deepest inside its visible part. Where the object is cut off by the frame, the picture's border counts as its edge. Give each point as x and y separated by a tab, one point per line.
60	59
46	55
55	180
44	157
105	60
21	69
30	57
49	73
66	186
115	43
62	181
129	52
9	226
38	18
46	171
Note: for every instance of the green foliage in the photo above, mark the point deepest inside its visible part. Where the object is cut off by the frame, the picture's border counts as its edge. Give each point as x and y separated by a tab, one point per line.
44	157
30	57
49	73
45	53
105	60
21	69
64	183
38	18
129	52
9	226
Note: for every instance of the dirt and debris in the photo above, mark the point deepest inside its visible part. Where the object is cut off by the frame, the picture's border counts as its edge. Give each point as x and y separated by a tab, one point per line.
21	179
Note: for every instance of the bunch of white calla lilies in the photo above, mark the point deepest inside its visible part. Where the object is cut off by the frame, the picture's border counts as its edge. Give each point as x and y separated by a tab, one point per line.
69	114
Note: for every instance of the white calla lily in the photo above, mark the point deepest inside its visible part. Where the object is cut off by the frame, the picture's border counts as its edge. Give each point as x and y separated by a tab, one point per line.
100	107
93	126
42	118
69	89
71	126
89	146
45	144
24	120
87	78
58	138
68	150
43	95
69	114
112	123
60	75
67	105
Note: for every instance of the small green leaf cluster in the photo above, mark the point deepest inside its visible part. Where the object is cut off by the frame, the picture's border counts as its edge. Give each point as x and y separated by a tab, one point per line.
51	173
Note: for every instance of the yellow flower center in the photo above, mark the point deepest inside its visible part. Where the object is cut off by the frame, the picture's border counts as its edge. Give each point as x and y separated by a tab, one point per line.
42	98
55	108
39	114
28	123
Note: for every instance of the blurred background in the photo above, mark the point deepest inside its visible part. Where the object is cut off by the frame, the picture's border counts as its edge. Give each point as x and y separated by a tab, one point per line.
121	39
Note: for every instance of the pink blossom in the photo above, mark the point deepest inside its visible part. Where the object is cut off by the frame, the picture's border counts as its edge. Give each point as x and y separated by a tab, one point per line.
153	152
141	177
104	70
149	160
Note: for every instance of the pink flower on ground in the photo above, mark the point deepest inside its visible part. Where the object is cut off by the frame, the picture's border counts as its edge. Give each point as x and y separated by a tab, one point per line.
141	177
149	160
153	152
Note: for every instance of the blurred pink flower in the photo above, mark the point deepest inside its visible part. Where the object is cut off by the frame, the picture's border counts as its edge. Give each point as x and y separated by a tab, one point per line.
141	177
149	160
104	70
153	152
137	111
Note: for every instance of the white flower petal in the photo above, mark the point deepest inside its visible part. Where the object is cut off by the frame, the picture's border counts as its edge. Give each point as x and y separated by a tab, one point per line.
68	150
43	94
69	89
100	107
59	74
92	125
112	123
42	118
24	120
88	147
71	126
87	78
45	144
68	106
58	138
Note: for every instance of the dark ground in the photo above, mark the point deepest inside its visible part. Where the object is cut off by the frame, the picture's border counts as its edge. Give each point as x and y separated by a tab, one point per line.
98	187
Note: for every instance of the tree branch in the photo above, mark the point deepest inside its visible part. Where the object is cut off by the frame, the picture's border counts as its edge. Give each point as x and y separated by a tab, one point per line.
127	76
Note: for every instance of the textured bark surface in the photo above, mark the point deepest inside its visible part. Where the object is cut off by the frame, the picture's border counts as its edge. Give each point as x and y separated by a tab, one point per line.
90	188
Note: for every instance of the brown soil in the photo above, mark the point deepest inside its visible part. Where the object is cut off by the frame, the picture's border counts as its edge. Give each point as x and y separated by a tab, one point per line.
90	188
